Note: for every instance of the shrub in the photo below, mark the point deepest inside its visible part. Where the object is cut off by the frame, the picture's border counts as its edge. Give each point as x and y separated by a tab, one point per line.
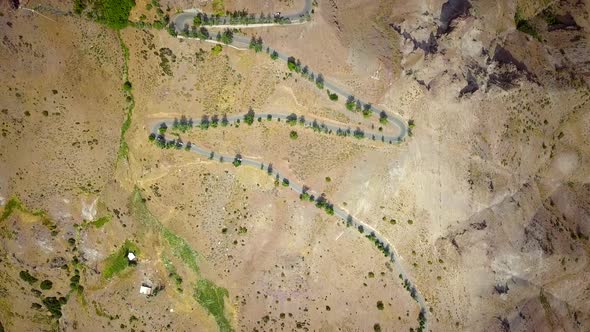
113	13
380	305
350	103
319	81
292	119
216	49
227	37
197	21
328	179
367	110
26	276
46	284
333	96
285	182
524	25
249	117
294	64
274	55
293	134
127	86
410	221
383	118
53	305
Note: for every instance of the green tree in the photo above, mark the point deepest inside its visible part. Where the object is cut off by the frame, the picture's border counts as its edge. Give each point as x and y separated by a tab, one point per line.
46	284
127	86
350	103
274	55
333	96
383	118
227	37
197	21
249	117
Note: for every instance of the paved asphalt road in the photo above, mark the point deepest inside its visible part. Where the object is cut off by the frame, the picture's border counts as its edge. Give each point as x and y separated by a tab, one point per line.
187	17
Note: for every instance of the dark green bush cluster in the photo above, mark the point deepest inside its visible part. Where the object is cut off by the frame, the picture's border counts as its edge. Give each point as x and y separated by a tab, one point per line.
112	13
161	142
380	245
54	304
46	285
75	282
322	203
256	44
332	96
350	103
292	119
249	117
227	37
183	125
26	276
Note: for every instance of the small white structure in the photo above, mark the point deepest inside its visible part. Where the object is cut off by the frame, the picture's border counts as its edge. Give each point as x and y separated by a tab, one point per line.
145	289
131	257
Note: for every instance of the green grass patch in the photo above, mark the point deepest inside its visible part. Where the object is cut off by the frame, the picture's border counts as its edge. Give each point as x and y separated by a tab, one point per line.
206	292
216	49
12	205
211	297
524	25
98	223
181	249
218	7
117	261
26	276
123	146
172	273
113	13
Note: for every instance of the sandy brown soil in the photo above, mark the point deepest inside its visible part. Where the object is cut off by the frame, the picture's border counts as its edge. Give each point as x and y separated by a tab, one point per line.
487	203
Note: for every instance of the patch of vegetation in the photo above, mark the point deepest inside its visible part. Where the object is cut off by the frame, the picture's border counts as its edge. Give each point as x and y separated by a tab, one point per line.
26	276
165	62
350	103
293	134
123	147
249	117
46	284
98	223
380	305
256	44
54	304
216	49
12	205
332	96
172	273
294	64
227	37
112	13
524	25
211	297
380	245
274	55
118	261
218	7
181	249
79	6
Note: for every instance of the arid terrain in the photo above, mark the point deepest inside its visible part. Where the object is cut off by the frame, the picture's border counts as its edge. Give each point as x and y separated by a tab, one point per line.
478	219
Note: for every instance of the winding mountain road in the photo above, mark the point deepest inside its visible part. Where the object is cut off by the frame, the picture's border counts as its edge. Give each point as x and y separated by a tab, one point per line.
300	188
241	42
186	18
